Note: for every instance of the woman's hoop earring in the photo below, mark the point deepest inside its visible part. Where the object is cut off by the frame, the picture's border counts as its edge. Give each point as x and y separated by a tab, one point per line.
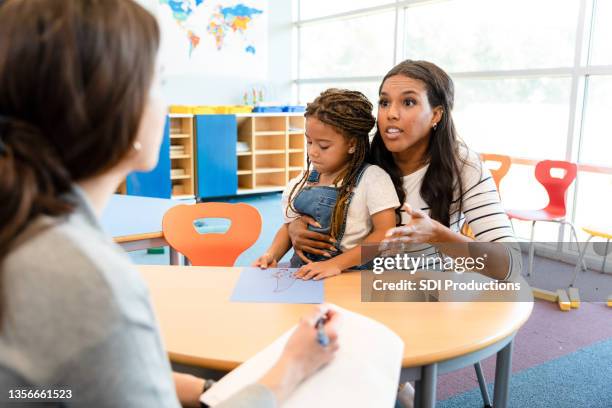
137	146
351	150
435	126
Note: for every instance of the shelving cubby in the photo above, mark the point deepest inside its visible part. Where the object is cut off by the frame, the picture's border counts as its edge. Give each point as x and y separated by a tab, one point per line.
276	150
182	173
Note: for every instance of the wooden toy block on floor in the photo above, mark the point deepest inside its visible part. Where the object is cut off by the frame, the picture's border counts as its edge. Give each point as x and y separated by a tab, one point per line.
544	294
563	300
574	297
610	301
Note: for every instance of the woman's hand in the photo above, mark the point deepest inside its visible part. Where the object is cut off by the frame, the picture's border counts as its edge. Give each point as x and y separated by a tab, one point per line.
265	261
303	348
188	389
318	270
303	355
420	229
304	240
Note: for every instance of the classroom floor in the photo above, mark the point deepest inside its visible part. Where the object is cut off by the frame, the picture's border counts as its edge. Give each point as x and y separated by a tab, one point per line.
561	359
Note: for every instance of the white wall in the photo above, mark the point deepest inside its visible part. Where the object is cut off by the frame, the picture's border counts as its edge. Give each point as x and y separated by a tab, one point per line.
217	89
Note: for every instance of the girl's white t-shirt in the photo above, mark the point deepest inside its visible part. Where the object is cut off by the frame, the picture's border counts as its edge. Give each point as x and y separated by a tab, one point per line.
374	193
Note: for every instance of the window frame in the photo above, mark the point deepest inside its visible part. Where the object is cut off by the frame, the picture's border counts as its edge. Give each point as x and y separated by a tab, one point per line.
580	72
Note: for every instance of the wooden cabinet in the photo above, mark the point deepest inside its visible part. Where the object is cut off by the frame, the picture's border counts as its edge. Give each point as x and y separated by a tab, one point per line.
208	156
271	150
182	153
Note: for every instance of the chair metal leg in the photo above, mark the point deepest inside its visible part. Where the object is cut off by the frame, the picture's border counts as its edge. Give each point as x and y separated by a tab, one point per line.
174	257
580	260
575	236
483	385
605	257
429	377
531	249
418	393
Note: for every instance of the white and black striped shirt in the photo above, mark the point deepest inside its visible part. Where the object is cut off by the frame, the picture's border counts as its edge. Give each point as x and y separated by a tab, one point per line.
481	207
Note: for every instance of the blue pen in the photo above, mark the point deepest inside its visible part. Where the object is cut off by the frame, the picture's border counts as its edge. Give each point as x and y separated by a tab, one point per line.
321	336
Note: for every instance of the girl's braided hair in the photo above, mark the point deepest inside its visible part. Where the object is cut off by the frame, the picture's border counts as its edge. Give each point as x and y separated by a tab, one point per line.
350	114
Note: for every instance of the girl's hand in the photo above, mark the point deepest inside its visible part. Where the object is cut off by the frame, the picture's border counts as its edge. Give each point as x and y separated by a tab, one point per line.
318	270
304	240
265	261
420	229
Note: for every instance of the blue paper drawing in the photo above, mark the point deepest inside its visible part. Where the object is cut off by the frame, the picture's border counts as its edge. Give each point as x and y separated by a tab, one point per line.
285	278
275	285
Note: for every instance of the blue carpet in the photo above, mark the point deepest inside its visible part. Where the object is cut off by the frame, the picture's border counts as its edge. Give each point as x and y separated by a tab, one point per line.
579	379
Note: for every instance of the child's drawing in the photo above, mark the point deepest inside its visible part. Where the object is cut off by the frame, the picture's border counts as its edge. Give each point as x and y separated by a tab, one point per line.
284	279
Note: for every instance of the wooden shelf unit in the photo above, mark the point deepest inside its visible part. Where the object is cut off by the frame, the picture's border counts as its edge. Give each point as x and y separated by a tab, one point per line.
182	136
277	151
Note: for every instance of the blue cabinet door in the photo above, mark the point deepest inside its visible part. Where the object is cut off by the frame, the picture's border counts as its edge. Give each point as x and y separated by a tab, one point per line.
217	164
155	183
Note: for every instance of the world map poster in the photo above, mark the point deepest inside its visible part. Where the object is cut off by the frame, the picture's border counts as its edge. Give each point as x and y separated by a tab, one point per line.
228	37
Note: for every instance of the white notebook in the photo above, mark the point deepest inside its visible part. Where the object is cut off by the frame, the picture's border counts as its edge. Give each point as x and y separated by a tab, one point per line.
364	373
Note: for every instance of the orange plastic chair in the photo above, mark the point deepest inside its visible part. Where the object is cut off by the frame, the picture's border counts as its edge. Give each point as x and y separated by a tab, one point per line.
497	173
212	249
504	166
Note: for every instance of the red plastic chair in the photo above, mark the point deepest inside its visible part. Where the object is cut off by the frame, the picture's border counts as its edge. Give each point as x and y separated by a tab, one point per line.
556	210
212	249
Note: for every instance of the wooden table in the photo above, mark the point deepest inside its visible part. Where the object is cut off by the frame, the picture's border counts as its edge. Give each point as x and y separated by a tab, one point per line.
135	223
201	327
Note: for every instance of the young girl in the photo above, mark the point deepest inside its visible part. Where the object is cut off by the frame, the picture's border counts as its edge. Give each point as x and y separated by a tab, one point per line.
348	198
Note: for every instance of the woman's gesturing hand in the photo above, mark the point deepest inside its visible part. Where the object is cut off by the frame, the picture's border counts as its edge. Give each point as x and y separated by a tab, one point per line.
419	229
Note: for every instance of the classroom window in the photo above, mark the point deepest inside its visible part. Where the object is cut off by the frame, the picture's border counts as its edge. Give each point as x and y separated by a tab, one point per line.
601	51
319	8
365	46
593	202
519	88
595	187
596	128
516	117
478	35
311	90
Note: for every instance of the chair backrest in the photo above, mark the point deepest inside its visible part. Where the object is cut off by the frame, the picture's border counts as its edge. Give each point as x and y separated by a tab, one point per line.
556	187
504	166
212	249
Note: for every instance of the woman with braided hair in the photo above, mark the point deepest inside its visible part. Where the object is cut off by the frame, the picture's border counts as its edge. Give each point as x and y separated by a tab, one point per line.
352	201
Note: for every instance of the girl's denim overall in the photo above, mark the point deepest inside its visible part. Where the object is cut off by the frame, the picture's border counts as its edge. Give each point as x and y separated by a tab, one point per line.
318	202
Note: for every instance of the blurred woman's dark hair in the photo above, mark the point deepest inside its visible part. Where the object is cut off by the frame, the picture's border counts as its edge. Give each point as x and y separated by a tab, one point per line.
75	76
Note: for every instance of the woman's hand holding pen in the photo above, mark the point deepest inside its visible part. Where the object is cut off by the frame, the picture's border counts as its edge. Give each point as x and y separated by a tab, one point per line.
303	354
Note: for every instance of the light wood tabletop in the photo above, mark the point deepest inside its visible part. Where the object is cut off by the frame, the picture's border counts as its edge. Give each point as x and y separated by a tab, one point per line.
201	327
